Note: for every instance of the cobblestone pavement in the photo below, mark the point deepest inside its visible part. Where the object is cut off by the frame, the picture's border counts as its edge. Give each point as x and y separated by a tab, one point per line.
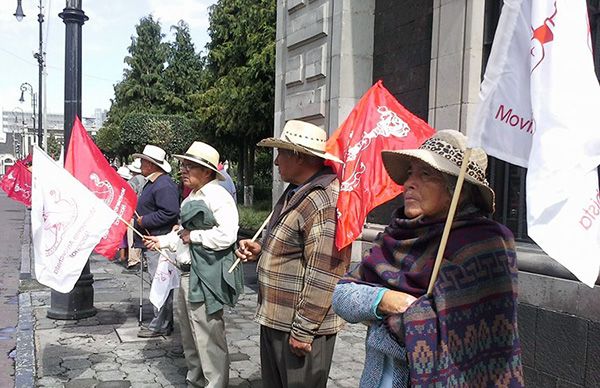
103	351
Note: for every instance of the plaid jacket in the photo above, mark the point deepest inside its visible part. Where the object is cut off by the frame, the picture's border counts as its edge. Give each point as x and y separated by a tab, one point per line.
300	265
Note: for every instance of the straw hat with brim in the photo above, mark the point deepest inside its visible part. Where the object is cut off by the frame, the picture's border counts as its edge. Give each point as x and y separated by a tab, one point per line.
124	172
203	154
302	137
155	155
135	166
444	151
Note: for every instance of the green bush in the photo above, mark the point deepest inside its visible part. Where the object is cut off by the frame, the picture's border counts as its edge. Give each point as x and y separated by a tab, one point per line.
251	218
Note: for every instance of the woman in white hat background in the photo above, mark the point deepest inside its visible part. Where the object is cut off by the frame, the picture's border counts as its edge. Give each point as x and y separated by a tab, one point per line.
465	333
204	253
158	211
137	182
124	173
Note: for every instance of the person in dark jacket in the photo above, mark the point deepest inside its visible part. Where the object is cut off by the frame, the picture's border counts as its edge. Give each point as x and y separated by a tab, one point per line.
156	213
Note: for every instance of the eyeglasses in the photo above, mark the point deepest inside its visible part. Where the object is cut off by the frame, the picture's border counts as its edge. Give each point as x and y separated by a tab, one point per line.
187	166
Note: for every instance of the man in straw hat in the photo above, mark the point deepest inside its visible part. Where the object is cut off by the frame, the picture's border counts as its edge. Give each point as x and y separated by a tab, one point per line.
157	212
461	327
299	263
204	245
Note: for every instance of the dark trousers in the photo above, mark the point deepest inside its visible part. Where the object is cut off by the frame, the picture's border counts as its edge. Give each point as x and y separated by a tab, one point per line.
280	368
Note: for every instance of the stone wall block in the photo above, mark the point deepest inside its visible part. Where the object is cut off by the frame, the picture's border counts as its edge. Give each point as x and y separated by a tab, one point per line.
307	26
560	349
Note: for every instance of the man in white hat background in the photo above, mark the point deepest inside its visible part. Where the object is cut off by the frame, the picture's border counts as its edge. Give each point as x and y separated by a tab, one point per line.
158	211
137	182
204	245
299	264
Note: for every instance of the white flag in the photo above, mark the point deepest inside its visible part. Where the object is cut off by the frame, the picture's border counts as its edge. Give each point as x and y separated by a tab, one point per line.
165	279
539	101
67	221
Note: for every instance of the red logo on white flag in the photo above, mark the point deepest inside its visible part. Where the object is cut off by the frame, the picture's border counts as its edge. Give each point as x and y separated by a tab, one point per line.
542	35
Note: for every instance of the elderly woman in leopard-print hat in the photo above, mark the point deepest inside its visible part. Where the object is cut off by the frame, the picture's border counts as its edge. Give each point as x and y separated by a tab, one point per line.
465	333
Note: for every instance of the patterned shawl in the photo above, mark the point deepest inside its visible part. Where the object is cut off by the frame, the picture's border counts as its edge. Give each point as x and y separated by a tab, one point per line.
465	334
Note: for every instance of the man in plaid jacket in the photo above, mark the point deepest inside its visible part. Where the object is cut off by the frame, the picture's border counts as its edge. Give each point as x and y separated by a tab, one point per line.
299	264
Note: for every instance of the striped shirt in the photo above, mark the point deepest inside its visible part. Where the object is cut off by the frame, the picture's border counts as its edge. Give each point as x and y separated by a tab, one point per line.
299	265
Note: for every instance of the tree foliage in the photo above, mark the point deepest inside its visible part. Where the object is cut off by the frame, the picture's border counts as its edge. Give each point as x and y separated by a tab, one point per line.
183	75
225	98
238	101
53	147
170	132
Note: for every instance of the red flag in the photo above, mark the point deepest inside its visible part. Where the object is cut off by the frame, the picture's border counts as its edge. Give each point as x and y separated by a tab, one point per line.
16	182
378	122
27	160
87	163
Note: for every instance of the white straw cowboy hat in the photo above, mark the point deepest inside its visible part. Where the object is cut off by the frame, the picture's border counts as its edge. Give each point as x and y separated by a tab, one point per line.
302	137
444	151
124	172
203	154
135	166
155	155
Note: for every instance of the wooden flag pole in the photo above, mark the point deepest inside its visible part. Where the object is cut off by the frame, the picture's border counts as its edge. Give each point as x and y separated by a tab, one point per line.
449	220
164	255
266	221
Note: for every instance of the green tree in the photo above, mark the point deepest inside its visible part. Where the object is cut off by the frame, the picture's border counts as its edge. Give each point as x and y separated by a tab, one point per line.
183	75
238	101
142	89
54	147
170	132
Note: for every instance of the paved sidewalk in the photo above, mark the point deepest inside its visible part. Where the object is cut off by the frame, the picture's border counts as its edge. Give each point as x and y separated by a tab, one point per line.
103	351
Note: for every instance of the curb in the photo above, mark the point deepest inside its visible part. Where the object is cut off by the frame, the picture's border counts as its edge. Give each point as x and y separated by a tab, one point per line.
25	354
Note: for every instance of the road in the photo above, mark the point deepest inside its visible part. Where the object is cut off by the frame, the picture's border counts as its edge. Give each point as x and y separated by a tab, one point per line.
12	215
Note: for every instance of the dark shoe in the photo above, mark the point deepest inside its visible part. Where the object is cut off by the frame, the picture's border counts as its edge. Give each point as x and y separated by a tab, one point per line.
147	333
134	268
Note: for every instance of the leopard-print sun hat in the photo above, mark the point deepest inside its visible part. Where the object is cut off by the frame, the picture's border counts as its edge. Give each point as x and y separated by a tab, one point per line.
444	151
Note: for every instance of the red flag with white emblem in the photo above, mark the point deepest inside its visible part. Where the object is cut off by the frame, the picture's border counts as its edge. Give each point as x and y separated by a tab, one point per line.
86	162
16	182
378	122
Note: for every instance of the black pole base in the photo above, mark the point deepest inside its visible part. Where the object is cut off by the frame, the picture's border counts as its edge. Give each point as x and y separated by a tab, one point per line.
77	304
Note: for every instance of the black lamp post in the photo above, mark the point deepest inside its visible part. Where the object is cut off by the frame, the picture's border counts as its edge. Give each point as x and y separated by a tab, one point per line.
19	150
40	59
26	87
79	303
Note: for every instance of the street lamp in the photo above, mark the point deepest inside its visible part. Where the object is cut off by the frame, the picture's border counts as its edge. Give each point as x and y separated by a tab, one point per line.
26	87
40	59
19	147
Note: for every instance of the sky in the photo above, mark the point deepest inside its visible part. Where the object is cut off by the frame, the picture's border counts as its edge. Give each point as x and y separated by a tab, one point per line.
105	39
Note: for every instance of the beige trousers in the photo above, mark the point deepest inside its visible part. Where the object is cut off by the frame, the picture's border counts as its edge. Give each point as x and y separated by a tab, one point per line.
203	340
135	254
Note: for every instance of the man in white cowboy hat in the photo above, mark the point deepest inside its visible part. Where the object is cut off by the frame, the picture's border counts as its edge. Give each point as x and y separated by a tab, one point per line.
204	245
299	264
137	182
157	212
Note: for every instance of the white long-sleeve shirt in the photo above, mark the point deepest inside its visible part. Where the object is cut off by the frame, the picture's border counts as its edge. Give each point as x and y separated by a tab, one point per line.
220	237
